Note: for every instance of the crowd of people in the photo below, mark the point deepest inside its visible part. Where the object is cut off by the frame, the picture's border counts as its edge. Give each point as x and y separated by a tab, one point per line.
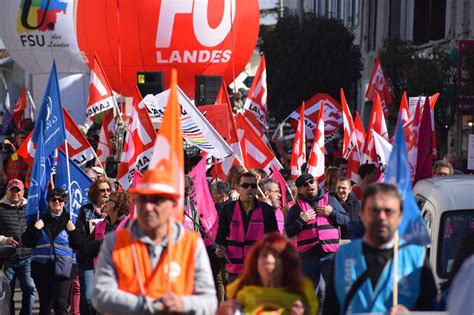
267	255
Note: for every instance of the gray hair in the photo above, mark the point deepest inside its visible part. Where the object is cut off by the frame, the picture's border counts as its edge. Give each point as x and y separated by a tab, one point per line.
442	163
266	184
221	187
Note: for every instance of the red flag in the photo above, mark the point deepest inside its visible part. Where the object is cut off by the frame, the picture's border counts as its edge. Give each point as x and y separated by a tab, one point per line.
100	93
316	159
377	119
256	103
298	155
19	110
369	154
353	163
222	168
79	149
377	84
350	138
332	115
138	147
404	116
424	161
107	132
255	152
27	150
413	126
360	131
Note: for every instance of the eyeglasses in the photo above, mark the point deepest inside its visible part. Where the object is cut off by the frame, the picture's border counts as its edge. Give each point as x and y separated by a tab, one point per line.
104	190
308	182
248	185
388	212
56	199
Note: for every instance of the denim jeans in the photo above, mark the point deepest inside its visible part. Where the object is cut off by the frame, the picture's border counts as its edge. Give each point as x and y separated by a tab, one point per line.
86	280
311	268
21	269
325	263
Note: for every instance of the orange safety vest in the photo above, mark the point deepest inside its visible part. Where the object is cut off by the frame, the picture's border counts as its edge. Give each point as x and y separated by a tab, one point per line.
154	281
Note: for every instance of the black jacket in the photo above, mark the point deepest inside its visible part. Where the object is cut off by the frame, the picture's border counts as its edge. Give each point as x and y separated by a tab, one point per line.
225	218
351	205
13	224
87	245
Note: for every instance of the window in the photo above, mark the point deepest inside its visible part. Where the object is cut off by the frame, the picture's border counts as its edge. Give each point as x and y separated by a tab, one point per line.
429	20
371	34
346	11
453	227
394	19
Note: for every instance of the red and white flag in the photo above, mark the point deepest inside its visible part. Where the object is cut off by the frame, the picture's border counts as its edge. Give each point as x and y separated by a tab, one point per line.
19	110
332	115
377	119
138	147
222	168
79	149
256	103
377	84
404	116
255	152
100	93
360	131
316	158
298	155
107	133
350	149
383	148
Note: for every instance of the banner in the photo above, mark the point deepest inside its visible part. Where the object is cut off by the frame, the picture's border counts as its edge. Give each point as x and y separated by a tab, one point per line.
201	197
80	183
196	129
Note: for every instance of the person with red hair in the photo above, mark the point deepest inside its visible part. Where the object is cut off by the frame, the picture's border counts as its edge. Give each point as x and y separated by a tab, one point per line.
272	281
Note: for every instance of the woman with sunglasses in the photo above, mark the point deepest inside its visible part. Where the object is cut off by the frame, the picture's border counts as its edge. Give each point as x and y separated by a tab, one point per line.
271	282
89	214
117	218
52	259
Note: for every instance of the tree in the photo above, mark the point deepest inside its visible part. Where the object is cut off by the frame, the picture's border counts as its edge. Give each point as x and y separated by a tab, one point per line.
421	73
317	56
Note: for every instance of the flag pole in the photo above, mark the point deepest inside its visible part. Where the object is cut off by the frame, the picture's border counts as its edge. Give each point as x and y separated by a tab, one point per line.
395	269
68	179
32	104
100	164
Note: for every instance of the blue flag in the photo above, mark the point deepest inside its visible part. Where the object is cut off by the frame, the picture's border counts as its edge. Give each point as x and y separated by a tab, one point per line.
37	203
51	114
412	228
6	122
80	184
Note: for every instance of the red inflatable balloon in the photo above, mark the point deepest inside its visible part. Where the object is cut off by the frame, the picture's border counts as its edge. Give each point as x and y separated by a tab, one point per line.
207	37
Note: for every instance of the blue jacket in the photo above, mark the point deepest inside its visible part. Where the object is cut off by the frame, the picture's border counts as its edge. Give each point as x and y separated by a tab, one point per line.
350	264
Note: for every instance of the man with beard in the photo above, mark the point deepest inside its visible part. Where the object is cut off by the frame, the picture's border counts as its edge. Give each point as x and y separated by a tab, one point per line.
315	220
362	277
242	223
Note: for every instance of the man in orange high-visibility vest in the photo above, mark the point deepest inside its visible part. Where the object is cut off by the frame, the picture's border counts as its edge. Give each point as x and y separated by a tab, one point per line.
139	272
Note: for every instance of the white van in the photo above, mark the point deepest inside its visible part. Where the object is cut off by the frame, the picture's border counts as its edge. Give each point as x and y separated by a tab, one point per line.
447	206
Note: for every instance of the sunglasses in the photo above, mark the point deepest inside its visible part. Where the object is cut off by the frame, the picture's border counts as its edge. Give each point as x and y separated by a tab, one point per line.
56	199
308	182
248	185
104	190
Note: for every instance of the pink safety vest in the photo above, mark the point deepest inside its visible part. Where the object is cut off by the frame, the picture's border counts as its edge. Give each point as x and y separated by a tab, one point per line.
99	230
319	230
280	219
239	242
